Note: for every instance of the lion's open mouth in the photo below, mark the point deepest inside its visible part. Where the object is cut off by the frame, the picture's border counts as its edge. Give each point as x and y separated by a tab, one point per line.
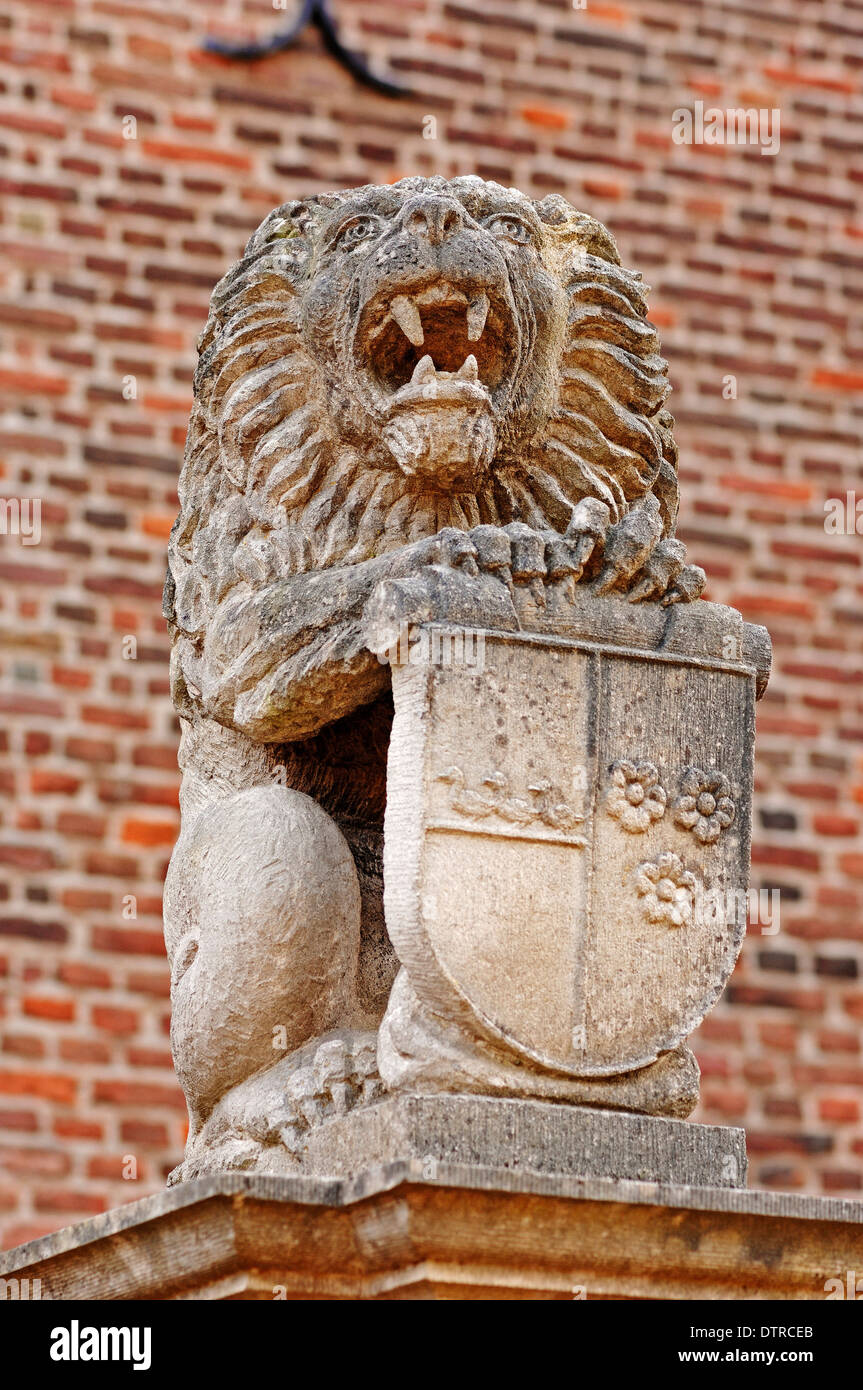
441	339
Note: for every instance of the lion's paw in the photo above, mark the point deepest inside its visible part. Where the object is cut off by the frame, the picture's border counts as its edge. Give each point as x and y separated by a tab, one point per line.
263	1124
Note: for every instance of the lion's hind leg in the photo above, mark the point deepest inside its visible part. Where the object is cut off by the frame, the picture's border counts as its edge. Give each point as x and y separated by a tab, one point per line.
262	921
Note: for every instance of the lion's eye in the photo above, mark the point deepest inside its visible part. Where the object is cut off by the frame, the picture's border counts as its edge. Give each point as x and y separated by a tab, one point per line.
356	232
510	227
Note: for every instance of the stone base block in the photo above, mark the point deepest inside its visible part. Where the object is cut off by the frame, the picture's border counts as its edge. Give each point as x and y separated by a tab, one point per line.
524	1136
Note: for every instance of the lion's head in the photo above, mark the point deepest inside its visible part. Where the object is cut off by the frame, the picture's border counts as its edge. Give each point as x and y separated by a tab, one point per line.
387	361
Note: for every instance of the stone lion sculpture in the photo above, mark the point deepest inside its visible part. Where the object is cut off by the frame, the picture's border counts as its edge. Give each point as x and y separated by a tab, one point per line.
438	390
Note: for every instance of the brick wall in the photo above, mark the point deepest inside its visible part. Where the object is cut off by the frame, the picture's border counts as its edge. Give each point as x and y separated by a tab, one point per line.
110	246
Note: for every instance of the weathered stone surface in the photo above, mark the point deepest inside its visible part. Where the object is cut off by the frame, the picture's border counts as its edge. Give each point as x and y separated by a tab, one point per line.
527	1136
265	1121
440	402
469	1233
420	1053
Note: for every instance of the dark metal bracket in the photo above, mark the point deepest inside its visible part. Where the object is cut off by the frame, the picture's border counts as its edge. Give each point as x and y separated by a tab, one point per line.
312	12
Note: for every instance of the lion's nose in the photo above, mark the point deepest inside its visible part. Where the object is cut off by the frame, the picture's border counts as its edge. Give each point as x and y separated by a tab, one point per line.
432	217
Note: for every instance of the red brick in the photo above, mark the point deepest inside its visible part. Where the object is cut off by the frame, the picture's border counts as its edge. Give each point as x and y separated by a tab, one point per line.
835	825
32	383
841	1180
759	1072
773	604
80	826
66	1201
149	833
551	118
90	750
23	1045
69	1128
56	783
851	864
33	125
195	154
111	866
23	1121
155	756
834	1040
50	1085
783	1036
55	1009
117	718
159	986
19	1233
70	678
139	1093
780	489
128	941
139	1132
799	77
83	976
28	857
115	1020
853	1005
73	99
84	1051
43	1163
838	1111
150	1057
36	742
112	1168
84	899
730	1101
788	856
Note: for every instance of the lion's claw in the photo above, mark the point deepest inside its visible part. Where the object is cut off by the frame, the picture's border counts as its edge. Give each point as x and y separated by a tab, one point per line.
662	568
493	550
456	549
689	586
516	575
628	546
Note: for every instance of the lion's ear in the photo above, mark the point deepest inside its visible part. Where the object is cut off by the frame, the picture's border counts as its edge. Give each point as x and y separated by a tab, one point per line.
554	210
287	235
596	239
570	225
294	219
284	240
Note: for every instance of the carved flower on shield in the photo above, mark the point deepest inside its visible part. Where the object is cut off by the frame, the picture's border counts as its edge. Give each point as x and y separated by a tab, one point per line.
635	797
668	890
705	805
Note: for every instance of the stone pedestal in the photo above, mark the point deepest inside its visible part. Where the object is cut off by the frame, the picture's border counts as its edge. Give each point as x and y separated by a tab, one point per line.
525	1136
469	1232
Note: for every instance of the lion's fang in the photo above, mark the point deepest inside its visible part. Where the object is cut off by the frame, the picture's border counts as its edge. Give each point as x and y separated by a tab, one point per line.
424	371
477	313
469	368
407	316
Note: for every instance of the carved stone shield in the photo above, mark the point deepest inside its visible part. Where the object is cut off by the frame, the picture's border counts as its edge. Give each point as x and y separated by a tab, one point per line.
567	829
